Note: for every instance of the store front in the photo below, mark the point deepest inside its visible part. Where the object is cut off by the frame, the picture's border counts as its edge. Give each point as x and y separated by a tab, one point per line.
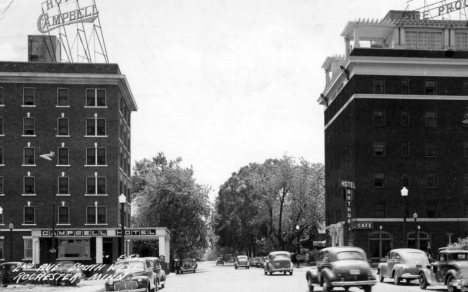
90	246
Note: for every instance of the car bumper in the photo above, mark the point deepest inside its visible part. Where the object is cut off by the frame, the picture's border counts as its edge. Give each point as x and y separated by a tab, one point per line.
282	270
409	276
354	283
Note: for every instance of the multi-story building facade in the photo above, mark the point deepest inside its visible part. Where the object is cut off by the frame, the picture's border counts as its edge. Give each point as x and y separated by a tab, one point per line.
396	120
82	113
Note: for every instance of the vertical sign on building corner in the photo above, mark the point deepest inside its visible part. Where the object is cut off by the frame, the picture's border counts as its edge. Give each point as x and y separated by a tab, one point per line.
348	186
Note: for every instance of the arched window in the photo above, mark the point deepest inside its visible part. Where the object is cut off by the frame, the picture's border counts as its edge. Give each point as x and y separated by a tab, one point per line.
424	240
380	244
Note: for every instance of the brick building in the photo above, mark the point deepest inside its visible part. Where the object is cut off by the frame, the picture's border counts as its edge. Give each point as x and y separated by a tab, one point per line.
82	113
396	116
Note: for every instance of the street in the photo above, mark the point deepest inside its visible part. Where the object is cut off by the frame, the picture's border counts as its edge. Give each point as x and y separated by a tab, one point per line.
210	277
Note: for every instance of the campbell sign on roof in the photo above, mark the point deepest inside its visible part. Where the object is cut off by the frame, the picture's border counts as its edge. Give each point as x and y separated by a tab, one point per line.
57	13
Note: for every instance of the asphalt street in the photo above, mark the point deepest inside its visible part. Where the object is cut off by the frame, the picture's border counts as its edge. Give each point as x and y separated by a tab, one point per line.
212	278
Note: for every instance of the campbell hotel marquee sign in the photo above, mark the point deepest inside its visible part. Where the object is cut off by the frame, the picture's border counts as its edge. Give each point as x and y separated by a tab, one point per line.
58	13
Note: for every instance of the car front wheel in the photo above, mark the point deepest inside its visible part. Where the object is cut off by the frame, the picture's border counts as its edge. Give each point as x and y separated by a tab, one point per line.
367	288
326	287
422	282
450	288
396	279
309	283
381	277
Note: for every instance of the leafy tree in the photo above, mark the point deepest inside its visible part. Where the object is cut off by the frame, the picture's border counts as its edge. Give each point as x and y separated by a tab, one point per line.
166	194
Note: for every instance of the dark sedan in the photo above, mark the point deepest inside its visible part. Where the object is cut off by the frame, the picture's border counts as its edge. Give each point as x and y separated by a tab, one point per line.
134	274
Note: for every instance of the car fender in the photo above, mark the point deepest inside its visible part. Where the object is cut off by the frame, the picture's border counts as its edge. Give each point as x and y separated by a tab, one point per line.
398	270
450	273
313	275
382	268
327	273
430	276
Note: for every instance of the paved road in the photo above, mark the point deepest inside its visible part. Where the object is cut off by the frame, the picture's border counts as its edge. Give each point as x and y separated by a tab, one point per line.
212	278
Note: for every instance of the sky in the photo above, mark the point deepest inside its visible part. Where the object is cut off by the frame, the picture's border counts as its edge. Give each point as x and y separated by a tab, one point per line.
219	83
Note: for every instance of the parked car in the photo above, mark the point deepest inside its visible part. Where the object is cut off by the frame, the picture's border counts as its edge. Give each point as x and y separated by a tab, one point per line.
241	261
135	274
74	275
160	274
219	261
449	269
402	264
344	267
256	262
10	270
188	265
278	261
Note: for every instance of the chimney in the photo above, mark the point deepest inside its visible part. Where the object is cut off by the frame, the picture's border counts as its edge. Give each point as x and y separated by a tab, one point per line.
42	48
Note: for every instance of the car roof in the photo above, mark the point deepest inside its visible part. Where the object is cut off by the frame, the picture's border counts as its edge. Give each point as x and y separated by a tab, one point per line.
336	249
453	251
151	258
280	252
133	260
406	250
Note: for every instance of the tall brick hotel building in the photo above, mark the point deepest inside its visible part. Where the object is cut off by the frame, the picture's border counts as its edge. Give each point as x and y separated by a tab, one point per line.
396	120
82	113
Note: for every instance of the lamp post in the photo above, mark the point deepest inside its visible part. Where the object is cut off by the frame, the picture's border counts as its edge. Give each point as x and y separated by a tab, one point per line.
11	227
416	230
298	246
122	201
404	194
380	241
50	157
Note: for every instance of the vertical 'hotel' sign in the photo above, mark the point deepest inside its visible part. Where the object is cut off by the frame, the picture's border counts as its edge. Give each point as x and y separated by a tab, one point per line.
348	186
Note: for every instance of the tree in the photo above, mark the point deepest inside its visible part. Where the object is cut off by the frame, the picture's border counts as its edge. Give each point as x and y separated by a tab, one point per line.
166	194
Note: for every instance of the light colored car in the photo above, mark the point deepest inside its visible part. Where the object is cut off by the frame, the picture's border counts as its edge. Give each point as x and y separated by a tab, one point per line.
278	261
402	264
242	261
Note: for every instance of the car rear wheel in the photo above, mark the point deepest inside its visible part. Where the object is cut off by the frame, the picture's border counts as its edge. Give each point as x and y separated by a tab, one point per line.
309	283
326	287
422	282
290	273
284	272
381	277
367	288
265	273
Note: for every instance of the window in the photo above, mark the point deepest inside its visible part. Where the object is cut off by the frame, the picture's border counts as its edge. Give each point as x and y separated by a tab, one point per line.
96	127
29	185
28	126
1	126
379	118
378	86
430	118
96	186
432	210
405	86
465	149
63	156
29	156
405	179
379	148
465	180
29	215
379	180
431	88
404	118
431	180
1	102
95	97
431	149
1	156
28	96
96	215
96	156
466	210
461	41
74	248
28	248
62	127
379	210
405	149
63	216
63	185
424	40
62	97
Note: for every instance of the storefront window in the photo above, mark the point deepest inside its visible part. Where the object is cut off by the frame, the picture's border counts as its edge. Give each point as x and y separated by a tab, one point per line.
374	244
74	248
28	248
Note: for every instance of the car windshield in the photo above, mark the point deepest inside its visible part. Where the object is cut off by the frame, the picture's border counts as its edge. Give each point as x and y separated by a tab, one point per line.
130	266
281	256
349	255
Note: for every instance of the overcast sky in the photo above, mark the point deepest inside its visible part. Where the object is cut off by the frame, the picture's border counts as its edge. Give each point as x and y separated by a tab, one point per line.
220	83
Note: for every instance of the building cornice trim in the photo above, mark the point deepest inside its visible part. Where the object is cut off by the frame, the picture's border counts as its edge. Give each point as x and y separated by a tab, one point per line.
409	219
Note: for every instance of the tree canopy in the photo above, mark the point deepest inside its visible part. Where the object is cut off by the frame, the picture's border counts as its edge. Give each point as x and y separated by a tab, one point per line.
165	194
270	205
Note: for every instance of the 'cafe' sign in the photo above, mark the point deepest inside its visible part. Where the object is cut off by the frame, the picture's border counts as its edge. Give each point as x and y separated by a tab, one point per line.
57	13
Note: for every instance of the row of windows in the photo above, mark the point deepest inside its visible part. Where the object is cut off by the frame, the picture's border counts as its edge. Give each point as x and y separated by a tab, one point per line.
430	149
430	181
430	118
94	97
430	87
94	215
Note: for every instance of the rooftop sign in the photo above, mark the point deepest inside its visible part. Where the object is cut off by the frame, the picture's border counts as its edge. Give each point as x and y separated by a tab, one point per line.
57	13
441	8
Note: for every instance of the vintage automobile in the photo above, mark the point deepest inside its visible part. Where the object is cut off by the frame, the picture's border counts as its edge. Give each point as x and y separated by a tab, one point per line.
160	274
219	261
278	261
241	261
134	274
343	267
188	265
402	264
69	274
449	269
256	262
10	270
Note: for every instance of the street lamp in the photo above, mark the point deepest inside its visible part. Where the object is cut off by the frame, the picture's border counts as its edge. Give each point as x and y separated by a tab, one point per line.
122	201
50	157
298	245
11	226
380	241
404	194
416	231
